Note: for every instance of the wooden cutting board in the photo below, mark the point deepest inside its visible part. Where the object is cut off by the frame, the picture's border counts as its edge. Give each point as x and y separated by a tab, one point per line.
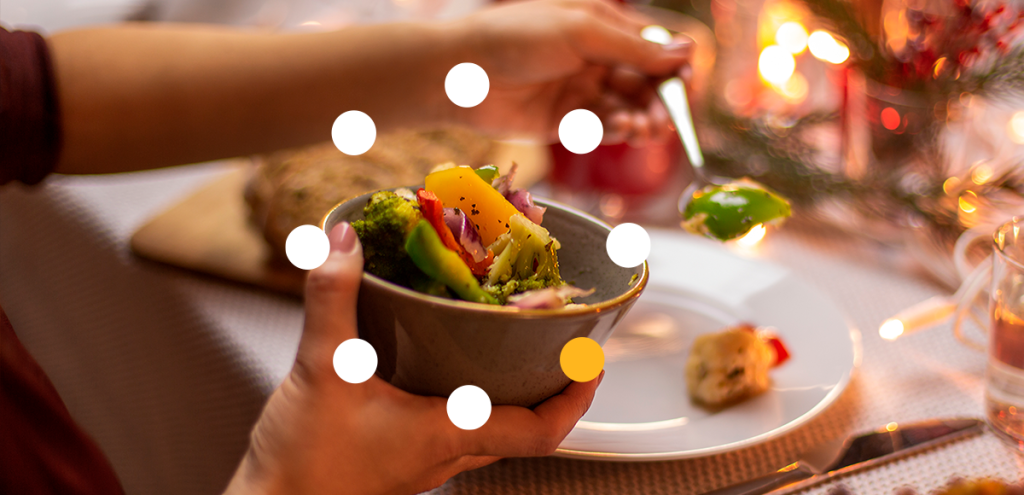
209	232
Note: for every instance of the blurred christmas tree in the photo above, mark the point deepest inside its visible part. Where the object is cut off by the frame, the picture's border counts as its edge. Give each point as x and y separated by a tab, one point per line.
942	59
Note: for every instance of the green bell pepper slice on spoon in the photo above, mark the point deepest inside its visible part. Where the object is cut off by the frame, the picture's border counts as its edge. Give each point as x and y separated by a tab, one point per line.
729	211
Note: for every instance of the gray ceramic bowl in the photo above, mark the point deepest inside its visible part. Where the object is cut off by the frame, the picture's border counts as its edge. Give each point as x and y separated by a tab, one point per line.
431	346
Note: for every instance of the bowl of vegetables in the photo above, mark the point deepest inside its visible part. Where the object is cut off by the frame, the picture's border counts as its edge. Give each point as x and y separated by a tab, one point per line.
470	282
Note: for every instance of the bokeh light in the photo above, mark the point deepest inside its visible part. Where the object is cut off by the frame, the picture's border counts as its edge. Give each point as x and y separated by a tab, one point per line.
1016	127
950	185
776	65
795	89
891	329
656	34
967	201
792	37
890	118
982	173
825	47
754	237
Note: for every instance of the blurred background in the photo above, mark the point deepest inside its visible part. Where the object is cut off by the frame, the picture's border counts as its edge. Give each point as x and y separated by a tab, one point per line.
898	124
898	121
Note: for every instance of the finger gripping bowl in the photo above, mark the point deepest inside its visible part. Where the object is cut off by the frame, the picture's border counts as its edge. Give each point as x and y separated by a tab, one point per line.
428	345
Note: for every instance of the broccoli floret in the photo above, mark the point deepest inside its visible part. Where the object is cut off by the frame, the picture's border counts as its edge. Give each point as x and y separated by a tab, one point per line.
502	290
525	259
388	220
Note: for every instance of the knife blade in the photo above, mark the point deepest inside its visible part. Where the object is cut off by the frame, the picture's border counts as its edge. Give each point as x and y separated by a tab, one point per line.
858	452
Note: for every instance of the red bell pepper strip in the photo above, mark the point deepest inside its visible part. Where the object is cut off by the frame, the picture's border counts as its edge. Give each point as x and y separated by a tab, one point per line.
433	212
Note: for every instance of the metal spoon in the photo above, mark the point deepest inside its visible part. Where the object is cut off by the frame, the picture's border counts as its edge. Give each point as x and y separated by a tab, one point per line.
714	206
673	95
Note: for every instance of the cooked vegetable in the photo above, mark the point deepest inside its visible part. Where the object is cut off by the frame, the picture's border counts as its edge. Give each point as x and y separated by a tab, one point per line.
388	220
504	183
520	198
523	202
730	211
527	253
433	212
501	291
442	264
547	298
426	241
466	234
488	173
462	188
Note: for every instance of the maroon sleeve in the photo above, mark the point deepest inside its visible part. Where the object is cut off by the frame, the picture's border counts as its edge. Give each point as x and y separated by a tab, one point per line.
42	449
30	133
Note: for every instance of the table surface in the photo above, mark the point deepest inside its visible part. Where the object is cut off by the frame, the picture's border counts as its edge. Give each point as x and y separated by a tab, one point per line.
168	370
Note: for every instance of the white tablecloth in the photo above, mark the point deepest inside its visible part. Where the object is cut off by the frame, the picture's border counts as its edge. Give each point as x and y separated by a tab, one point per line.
168	370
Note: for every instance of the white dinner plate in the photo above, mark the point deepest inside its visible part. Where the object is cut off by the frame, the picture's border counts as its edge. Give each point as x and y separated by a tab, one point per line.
642	410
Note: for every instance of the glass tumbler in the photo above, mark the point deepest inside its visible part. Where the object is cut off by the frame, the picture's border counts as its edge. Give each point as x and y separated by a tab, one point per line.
1003	273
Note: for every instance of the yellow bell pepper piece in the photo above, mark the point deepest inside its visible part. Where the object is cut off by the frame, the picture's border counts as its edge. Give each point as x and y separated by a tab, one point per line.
462	188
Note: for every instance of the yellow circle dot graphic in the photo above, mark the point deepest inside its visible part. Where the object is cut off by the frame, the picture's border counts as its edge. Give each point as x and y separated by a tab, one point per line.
582	359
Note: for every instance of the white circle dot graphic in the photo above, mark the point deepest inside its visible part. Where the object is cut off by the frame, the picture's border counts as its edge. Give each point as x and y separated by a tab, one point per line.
307	247
469	407
354	132
628	245
467	85
580	131
355	361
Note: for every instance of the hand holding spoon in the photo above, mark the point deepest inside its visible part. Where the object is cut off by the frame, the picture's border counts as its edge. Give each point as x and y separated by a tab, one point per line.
716	207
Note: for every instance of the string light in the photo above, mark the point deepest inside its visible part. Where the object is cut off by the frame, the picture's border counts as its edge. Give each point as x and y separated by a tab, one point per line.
891	329
924	314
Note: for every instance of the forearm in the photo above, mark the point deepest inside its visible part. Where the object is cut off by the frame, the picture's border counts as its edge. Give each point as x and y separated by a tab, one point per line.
139	96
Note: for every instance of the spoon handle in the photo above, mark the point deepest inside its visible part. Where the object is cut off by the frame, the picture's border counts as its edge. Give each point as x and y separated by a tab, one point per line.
673	95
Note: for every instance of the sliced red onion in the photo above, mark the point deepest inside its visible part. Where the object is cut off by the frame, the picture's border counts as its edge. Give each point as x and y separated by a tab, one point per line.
523	202
519	198
465	233
504	183
548	298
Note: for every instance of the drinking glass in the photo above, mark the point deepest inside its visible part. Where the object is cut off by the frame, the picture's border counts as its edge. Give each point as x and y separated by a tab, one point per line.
1003	273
